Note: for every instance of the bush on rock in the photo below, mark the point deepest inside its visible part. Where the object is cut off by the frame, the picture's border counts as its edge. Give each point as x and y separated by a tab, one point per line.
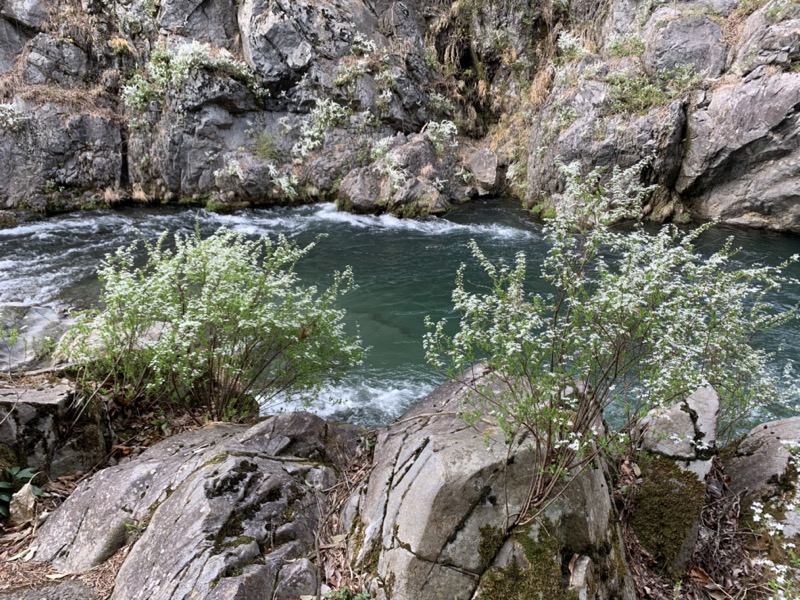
635	319
214	324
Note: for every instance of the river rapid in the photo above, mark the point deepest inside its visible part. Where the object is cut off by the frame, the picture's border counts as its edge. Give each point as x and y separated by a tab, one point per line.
405	270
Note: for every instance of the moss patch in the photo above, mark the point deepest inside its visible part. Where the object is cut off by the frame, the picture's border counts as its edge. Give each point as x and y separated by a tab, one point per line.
667	507
540	578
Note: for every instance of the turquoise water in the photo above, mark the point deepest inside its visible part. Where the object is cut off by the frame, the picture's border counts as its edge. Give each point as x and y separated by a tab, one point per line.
405	270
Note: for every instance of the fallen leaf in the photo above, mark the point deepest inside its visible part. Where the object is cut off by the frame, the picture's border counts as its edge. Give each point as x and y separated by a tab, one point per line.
22	554
23	505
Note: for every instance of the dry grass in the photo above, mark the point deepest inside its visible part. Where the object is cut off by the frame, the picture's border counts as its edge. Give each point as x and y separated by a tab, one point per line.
541	85
18	572
333	561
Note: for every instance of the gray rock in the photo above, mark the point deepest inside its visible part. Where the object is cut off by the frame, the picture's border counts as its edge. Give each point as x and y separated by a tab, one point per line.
578	125
435	512
29	421
742	159
676	37
208	21
225	512
763	464
686	431
412	179
67	590
483	166
53	153
764	42
12	40
30	13
55	60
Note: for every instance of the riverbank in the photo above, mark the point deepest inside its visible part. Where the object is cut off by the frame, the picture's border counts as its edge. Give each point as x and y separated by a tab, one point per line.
405	110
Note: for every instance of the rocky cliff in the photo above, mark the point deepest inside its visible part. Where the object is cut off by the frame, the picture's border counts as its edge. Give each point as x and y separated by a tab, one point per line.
227	104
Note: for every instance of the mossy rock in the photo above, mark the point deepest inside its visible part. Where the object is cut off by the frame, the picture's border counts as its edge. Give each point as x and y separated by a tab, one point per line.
666	512
537	577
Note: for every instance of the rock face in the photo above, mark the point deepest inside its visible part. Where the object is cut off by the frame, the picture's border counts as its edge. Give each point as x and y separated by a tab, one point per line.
225	104
432	521
37	430
222	512
740	169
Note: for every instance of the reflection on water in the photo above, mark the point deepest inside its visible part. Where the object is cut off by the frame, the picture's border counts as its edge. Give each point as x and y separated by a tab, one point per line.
405	270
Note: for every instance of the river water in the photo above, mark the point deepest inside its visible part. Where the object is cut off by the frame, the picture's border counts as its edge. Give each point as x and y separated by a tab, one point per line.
405	269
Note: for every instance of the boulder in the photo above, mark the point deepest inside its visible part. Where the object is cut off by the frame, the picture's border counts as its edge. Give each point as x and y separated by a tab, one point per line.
742	157
222	512
432	521
679	37
483	166
685	432
763	464
677	444
414	178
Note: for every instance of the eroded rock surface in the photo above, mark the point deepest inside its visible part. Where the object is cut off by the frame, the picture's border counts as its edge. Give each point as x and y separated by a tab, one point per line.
222	512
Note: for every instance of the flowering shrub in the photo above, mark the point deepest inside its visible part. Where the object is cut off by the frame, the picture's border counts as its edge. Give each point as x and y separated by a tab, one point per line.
635	319
325	115
213	324
171	70
441	133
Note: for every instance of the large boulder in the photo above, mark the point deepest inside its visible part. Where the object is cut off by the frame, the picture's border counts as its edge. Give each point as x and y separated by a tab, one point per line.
763	464
742	157
433	519
226	511
415	177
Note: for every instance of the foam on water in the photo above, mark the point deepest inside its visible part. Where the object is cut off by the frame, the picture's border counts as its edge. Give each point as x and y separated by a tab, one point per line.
367	397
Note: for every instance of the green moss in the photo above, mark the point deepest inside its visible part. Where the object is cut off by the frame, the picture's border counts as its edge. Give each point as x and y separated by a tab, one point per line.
540	578
7	457
492	539
666	508
543	212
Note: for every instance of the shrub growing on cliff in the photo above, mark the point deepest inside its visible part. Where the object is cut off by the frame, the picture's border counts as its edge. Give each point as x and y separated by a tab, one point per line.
635	319
212	324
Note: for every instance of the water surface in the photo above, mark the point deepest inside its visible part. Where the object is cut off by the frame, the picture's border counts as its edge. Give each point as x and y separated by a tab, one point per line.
405	269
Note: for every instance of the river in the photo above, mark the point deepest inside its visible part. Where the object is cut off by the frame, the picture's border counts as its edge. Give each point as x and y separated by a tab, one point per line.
405	270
